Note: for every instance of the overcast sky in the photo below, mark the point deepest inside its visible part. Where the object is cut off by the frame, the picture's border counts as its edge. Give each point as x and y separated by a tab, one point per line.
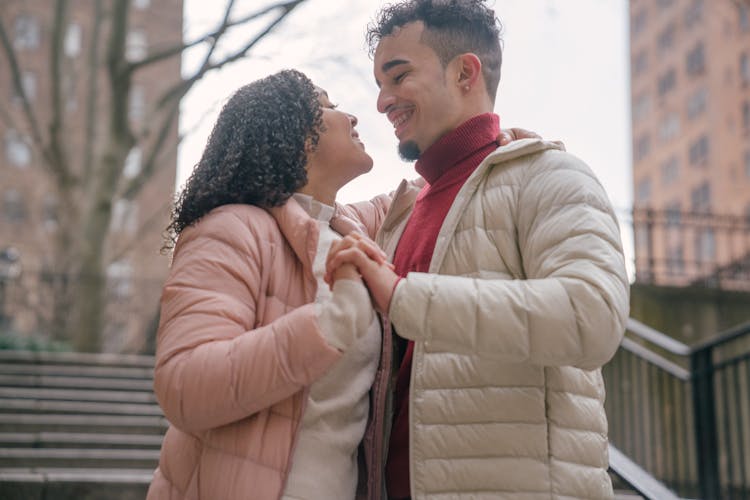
565	76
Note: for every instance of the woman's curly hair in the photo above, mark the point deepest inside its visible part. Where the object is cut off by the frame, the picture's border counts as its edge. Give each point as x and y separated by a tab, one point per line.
256	151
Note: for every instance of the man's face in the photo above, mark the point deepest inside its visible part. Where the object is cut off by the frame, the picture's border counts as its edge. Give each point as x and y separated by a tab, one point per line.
420	98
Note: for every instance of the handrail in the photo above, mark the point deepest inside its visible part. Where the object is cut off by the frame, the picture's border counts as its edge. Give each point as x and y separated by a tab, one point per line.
658	338
723	337
637	478
653	358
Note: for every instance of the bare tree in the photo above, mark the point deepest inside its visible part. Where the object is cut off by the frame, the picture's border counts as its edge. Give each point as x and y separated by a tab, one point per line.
88	182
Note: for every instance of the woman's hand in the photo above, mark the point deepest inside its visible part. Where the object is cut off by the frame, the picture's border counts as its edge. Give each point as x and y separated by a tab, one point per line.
345	272
370	262
508	135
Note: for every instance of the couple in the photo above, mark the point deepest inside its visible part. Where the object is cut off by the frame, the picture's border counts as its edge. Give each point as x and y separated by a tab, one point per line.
501	289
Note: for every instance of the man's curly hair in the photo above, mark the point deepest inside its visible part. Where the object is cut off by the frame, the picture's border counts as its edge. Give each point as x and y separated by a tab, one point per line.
452	27
256	151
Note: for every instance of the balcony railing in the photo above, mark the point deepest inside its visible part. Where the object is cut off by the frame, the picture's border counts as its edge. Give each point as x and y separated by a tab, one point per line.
676	248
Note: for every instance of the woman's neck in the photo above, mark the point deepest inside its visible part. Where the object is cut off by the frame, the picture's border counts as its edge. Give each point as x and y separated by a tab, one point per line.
323	195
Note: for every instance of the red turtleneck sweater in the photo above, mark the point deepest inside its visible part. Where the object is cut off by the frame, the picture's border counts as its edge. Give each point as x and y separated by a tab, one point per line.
446	165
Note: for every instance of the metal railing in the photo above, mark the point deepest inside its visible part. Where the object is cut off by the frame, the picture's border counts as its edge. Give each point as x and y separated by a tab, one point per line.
677	248
682	413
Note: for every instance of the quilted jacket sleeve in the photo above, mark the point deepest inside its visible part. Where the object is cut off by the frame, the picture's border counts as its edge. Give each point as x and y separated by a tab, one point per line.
212	366
571	309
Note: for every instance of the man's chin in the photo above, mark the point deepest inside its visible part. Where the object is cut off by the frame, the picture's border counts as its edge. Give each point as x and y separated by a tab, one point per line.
409	150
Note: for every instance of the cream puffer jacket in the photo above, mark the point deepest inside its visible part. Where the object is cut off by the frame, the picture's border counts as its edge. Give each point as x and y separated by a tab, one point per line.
526	299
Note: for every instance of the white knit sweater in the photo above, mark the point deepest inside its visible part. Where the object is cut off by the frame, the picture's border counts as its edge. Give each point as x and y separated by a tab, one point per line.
324	463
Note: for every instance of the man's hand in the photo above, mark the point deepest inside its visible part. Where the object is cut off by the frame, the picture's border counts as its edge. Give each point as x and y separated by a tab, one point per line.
508	135
369	260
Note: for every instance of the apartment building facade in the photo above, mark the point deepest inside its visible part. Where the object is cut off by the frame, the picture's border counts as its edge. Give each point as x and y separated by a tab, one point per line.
30	214
690	91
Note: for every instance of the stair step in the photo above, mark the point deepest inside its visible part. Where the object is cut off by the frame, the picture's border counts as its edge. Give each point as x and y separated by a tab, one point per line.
36	422
77	370
41	381
92	458
52	474
76	395
77	358
74	484
80	439
34	405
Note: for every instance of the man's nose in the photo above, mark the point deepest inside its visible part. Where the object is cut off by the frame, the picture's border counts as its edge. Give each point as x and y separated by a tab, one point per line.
385	101
353	119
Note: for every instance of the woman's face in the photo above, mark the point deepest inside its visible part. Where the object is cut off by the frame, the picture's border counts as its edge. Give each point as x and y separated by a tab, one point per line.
340	155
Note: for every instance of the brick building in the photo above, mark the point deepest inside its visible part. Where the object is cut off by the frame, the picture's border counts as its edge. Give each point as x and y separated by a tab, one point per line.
29	200
690	91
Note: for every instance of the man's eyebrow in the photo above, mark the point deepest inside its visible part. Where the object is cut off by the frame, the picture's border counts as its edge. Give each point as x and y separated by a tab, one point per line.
388	65
393	62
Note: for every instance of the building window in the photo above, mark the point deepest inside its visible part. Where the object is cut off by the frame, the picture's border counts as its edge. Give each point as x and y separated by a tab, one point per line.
141	4
745	68
666	39
664	4
125	216
700	199
640	62
643	191
667	82
743	15
669	127
641	107
137	103
642	147
696	60
28	85
746	115
747	164
17	149
132	163
676	261
73	36
120	279
27	32
673	214
670	171
69	92
14	206
705	245
694	13
638	22
699	151
50	211
696	104
136	46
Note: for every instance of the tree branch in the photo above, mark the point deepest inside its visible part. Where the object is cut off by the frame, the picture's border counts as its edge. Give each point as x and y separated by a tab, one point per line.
15	72
149	166
92	99
119	74
57	119
182	88
180	48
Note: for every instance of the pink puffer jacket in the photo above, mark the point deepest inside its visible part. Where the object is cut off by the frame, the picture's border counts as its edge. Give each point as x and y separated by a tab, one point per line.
238	346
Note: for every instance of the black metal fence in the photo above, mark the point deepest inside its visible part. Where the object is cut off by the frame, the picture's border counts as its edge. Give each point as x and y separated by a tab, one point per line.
678	248
683	413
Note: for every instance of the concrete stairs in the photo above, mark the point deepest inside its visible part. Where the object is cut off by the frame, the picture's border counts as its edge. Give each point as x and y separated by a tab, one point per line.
77	426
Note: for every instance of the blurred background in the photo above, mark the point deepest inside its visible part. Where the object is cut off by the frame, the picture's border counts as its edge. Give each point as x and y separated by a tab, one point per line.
107	105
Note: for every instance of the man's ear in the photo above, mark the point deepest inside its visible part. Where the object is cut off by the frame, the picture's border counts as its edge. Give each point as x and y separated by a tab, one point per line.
469	70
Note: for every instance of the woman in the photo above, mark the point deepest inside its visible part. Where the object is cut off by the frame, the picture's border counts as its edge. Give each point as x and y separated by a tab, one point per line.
263	372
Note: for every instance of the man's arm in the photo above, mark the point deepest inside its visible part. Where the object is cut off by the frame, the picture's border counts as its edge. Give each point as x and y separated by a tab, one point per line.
570	311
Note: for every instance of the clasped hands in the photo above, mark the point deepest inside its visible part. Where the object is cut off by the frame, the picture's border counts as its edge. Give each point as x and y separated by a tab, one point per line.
357	255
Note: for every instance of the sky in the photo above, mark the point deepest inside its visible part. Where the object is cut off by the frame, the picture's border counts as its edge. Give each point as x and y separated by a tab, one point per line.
565	76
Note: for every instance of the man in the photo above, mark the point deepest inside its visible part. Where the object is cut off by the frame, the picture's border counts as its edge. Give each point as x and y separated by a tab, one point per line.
509	283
